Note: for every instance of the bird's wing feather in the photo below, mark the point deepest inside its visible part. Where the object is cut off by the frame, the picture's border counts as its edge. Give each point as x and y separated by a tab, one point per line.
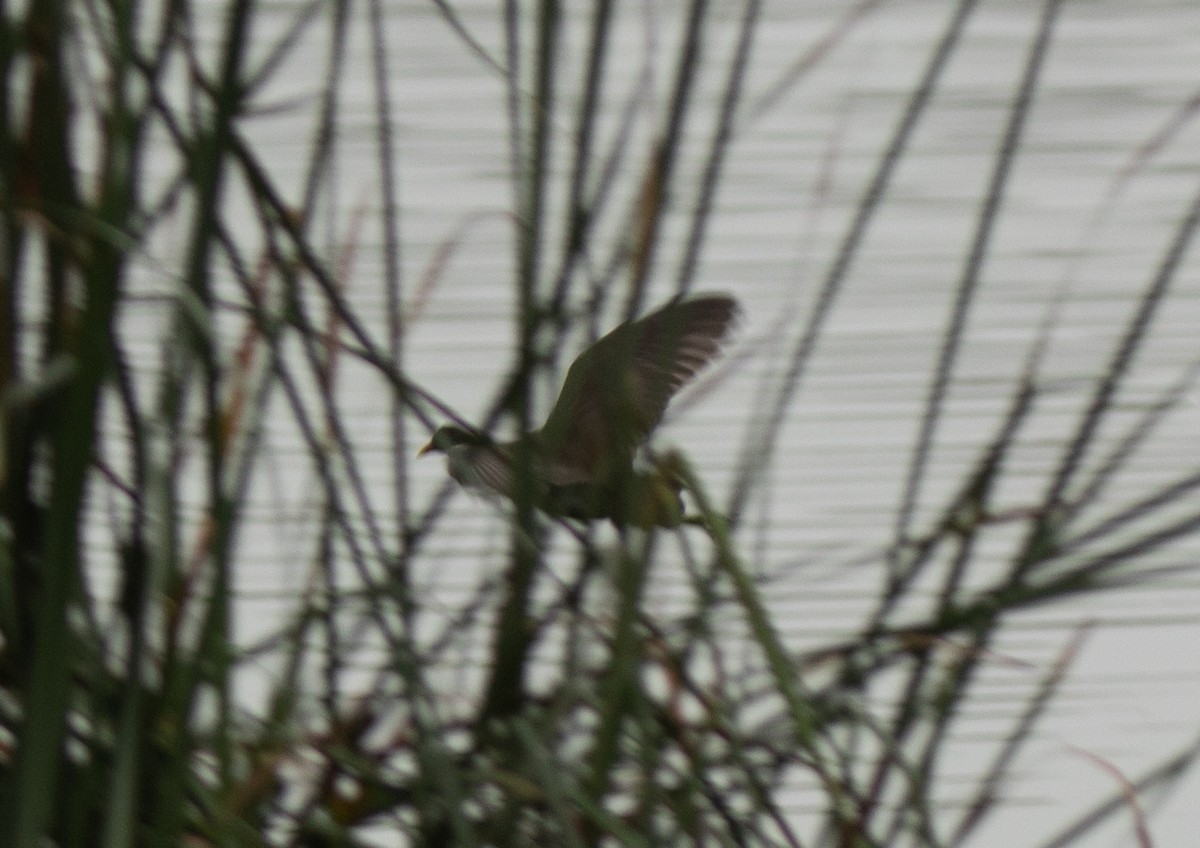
481	468
616	392
490	468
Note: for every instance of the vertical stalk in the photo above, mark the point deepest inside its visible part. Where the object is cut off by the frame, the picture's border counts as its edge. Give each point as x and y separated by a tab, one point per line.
657	182
506	688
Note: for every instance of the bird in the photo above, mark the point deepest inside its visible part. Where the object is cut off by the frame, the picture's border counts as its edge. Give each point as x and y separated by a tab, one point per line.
582	459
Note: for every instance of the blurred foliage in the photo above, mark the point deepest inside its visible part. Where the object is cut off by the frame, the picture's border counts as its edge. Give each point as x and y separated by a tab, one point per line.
600	719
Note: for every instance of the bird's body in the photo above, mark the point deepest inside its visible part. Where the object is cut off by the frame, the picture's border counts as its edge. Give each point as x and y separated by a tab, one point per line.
615	393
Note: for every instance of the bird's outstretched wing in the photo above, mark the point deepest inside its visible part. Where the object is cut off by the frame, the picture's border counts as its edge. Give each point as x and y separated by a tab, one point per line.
616	392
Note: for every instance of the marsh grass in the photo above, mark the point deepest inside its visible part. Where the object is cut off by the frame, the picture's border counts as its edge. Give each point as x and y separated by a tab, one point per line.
135	430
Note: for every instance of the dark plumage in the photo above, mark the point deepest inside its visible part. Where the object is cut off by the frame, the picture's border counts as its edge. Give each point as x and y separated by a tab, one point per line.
613	397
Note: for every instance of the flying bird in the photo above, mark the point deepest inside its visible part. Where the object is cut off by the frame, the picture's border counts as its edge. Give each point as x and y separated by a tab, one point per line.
582	460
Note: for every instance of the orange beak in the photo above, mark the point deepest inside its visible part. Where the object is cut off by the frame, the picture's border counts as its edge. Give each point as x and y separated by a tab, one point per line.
426	449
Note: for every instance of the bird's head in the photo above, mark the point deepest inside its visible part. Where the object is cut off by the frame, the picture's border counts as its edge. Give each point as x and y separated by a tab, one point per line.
447	437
